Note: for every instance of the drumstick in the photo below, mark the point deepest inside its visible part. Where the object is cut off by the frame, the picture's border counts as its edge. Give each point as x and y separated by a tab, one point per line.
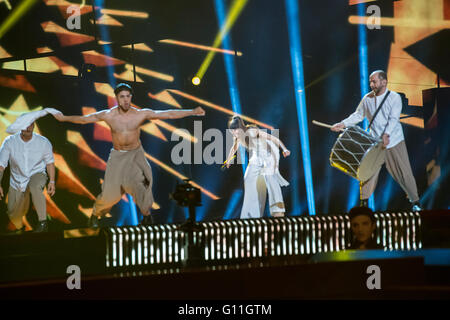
321	124
225	162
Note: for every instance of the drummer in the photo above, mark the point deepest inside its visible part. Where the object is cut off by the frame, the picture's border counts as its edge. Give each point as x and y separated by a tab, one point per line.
386	125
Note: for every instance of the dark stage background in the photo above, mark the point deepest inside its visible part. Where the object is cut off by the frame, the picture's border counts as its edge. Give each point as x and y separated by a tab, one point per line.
161	73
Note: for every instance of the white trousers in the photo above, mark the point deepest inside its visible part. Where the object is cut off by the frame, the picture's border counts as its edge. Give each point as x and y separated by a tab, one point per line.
256	187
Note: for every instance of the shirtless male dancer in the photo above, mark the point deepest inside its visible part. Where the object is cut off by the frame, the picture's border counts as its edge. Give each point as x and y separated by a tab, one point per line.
127	170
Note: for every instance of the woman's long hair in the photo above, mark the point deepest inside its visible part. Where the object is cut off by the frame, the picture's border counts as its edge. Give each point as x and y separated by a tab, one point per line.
237	123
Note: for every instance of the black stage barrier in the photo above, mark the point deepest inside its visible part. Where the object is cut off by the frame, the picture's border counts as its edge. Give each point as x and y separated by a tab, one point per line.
220	243
400	278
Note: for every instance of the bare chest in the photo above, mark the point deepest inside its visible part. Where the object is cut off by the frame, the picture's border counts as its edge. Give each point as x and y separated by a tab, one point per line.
124	123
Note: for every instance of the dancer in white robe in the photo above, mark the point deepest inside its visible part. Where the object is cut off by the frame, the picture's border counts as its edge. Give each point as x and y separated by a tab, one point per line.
262	176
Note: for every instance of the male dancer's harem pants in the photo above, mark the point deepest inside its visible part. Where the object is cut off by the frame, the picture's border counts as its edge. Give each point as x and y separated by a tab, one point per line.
126	172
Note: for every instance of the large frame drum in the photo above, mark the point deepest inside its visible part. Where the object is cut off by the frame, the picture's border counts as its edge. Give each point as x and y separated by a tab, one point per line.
357	153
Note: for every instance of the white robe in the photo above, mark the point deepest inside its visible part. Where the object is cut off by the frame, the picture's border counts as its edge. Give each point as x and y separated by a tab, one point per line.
261	177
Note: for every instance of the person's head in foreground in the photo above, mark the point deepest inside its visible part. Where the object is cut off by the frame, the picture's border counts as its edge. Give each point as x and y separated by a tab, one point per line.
363	224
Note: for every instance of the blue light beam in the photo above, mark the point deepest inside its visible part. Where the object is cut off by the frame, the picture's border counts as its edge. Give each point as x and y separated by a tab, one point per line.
231	71
293	23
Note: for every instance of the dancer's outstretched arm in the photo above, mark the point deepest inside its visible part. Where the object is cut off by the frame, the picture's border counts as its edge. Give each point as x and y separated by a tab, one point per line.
172	114
89	118
275	140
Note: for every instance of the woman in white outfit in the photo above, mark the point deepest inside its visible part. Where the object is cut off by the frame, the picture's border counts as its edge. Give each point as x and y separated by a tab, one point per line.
262	175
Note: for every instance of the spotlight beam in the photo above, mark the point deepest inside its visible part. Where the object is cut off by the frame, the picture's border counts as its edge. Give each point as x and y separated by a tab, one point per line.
293	24
220	108
236	8
231	74
124	13
364	87
15	16
200	47
180	176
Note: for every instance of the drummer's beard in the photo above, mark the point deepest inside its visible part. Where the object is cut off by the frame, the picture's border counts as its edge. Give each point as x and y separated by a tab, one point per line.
377	90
